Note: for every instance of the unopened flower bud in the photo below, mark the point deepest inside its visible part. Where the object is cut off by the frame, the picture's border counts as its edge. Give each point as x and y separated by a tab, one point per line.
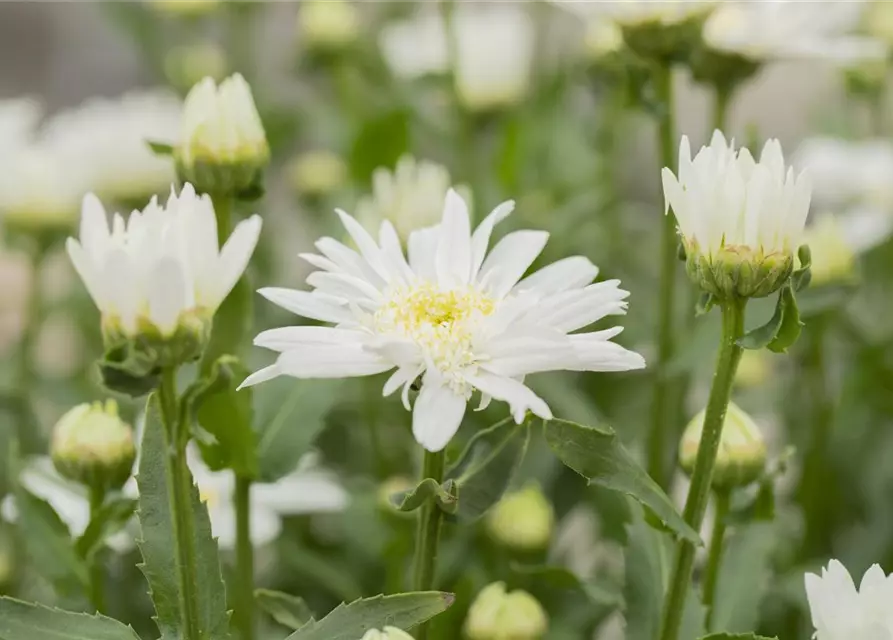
328	24
388	633
316	173
497	615
522	520
603	38
222	147
742	451
739	271
93	446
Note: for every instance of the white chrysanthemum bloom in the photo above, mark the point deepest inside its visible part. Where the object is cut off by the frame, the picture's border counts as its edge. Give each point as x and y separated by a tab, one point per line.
784	29
411	196
740	220
841	612
222	142
105	142
328	24
161	269
638	12
387	633
457	317
417	46
68	499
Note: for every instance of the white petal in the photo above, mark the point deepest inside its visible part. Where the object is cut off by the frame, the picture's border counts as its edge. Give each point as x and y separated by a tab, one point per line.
437	414
510	258
366	244
94	224
569	273
402	376
302	492
480	240
85	269
234	257
422	249
285	338
332	361
262	375
519	397
167	295
306	304
594	353
453	259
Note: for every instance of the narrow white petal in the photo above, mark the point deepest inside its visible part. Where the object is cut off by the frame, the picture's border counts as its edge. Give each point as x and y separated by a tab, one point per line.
332	361
167	295
594	353
453	258
85	269
341	285
569	273
480	240
302	492
306	304
234	257
285	338
94	224
510	258
370	251
404	375
519	397
422	249
262	375
437	414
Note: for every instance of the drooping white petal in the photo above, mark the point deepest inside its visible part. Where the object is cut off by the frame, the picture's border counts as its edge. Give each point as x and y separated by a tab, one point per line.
234	257
519	397
437	414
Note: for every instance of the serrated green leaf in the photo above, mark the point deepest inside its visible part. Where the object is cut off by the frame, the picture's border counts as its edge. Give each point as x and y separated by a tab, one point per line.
49	544
789	330
485	469
744	575
289	611
563	578
736	636
597	454
290	414
226	414
428	489
111	518
26	621
160	148
352	621
158	543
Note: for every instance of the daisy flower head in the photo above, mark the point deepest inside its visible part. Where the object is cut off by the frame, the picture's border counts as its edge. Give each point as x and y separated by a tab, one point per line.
841	612
450	313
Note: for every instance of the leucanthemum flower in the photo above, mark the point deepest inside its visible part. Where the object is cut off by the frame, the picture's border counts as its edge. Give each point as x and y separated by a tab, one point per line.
460	319
841	612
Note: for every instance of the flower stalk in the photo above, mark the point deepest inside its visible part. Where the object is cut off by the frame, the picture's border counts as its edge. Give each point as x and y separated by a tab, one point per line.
699	491
428	534
244	613
722	499
97	571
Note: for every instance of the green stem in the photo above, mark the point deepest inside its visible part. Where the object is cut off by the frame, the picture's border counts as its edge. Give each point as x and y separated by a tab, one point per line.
722	499
699	491
179	482
662	401
244	612
97	571
28	432
428	534
223	210
722	98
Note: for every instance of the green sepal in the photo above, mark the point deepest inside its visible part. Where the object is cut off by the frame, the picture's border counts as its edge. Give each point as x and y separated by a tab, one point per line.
446	496
161	148
801	277
783	327
706	301
133	372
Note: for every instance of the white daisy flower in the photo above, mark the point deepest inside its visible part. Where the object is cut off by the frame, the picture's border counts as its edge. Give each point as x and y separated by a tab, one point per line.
417	46
452	314
841	612
637	12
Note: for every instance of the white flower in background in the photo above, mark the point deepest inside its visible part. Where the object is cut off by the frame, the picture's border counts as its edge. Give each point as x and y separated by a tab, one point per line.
387	633
163	266
221	126
104	141
18	120
461	319
781	29
328	24
411	196
308	490
835	243
497	614
185	65
732	210
637	12
39	190
417	46
841	612
68	500
603	37
316	173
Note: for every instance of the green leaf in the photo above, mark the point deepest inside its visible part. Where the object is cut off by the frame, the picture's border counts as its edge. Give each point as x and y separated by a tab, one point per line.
289	611
744	575
226	414
110	519
597	454
159	542
736	636
760	337
380	143
562	578
706	301
801	277
484	470
789	330
352	621
427	489
49	544
160	148
290	415
26	621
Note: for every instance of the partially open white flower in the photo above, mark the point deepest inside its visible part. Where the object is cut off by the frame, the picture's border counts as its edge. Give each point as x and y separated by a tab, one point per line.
417	46
841	612
784	29
457	317
162	267
39	190
733	211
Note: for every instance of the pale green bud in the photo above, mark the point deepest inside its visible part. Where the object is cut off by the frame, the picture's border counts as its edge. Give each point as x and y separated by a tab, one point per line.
388	633
328	24
742	451
497	615
522	520
316	173
739	271
93	446
754	368
187	65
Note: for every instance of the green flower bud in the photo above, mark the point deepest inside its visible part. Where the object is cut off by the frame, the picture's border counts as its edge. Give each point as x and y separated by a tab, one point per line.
739	271
93	446
658	40
742	451
328	24
316	173
388	633
522	520
497	615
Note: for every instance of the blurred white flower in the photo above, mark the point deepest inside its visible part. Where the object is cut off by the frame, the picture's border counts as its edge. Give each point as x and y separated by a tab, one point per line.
387	633
39	190
163	266
18	120
637	12
315	173
417	46
104	143
308	490
836	241
780	29
328	24
603	37
411	196
841	612
452	314
185	65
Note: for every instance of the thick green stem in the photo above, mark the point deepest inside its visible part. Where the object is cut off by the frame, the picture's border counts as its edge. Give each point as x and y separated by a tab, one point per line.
179	482
722	98
699	491
722	499
428	535
223	210
97	571
244	611
663	394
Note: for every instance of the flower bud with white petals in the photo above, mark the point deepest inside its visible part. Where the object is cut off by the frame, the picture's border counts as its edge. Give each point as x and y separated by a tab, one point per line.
499	615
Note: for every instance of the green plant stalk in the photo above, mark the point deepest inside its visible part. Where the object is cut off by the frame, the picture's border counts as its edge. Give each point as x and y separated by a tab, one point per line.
28	432
699	491
722	499
179	484
722	99
223	211
428	534
97	571
662	402
244	587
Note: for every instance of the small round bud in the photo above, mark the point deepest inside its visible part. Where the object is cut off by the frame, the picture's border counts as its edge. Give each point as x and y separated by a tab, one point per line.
739	271
388	633
328	24
316	173
742	451
522	520
497	615
603	38
93	446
